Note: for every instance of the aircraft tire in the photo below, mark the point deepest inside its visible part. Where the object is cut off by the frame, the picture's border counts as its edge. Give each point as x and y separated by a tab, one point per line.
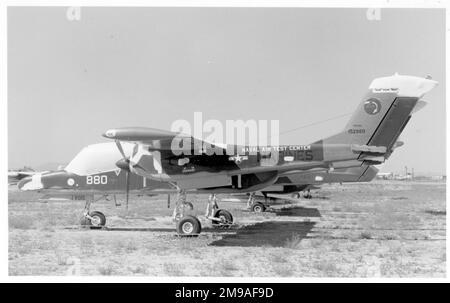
100	219
189	226
225	216
258	207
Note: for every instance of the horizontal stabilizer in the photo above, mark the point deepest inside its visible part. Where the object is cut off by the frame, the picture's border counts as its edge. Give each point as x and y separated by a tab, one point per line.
373	160
369	149
419	105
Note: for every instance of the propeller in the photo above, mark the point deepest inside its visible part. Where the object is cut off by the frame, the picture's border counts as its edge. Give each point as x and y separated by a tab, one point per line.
124	164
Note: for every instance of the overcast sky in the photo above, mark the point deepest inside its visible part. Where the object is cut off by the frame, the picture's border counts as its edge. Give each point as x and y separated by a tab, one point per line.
69	81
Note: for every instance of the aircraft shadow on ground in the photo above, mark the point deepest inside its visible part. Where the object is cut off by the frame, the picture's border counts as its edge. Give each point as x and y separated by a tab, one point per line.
158	229
269	233
272	233
297	211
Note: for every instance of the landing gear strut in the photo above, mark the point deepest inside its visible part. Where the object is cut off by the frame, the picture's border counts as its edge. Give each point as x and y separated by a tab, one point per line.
186	225
251	200
95	218
220	218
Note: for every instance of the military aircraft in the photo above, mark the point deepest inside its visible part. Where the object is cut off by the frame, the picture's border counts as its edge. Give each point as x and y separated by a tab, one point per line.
14	176
114	181
368	139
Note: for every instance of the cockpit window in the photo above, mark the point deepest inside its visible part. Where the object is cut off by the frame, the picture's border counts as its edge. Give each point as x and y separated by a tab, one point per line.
98	158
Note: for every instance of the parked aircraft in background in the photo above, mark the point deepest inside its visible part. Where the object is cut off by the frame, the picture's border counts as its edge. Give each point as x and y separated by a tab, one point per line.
15	176
369	138
298	183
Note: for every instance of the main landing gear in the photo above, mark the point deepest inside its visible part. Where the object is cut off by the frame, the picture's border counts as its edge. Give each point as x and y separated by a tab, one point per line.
189	225
220	218
186	223
254	205
95	219
307	194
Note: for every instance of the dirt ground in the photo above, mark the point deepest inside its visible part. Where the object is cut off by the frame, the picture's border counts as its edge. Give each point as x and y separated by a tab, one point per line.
378	229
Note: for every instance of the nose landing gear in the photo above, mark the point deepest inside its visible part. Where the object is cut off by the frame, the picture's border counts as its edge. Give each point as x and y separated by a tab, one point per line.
95	219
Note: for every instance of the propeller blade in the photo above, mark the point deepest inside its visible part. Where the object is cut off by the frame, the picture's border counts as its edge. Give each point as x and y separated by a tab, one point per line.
119	146
135	149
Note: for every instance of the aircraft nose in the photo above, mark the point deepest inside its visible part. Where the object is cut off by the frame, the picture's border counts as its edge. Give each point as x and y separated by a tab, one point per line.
48	180
31	183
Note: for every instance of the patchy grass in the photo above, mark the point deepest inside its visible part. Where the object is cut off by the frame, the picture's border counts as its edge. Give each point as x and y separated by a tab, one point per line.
436	212
106	270
226	267
140	269
366	235
278	256
399	198
327	268
173	270
293	242
62	259
283	270
21	222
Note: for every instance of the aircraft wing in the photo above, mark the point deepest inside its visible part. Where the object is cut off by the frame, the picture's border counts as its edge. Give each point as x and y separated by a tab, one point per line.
157	139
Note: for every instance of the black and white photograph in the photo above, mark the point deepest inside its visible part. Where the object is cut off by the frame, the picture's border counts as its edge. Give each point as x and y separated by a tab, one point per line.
225	142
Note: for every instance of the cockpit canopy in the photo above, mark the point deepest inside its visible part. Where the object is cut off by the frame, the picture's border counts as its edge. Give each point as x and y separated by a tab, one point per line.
97	158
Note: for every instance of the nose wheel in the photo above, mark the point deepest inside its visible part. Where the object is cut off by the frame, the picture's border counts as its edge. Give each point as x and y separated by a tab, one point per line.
95	219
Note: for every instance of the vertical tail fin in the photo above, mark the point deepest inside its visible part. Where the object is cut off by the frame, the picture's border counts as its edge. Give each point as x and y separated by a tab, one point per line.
382	114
